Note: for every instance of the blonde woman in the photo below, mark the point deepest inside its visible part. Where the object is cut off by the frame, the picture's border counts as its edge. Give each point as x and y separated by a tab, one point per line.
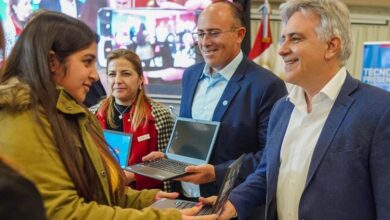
128	109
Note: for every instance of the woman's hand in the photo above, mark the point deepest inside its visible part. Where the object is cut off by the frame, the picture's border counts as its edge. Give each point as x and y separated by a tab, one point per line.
154	155
209	200
130	177
166	195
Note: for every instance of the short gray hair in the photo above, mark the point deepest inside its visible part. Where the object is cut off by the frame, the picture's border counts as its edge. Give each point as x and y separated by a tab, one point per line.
334	20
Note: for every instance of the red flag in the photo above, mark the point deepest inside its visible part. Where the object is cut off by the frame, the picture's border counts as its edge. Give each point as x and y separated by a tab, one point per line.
264	38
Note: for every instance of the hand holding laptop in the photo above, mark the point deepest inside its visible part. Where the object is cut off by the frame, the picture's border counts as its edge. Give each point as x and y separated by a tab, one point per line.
200	174
154	155
218	203
188	213
228	211
130	177
165	195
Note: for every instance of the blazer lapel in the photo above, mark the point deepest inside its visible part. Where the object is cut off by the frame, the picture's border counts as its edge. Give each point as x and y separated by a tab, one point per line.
274	147
230	91
333	122
192	88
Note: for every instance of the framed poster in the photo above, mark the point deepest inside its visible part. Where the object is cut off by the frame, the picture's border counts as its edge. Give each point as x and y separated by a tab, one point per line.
162	38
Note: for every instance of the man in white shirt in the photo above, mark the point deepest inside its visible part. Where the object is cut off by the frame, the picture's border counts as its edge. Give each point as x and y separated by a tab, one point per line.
328	141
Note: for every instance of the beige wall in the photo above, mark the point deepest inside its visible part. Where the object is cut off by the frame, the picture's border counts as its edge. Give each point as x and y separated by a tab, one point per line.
368	24
370	3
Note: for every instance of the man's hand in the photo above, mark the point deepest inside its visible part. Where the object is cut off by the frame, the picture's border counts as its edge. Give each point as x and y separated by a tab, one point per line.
188	214
209	200
199	174
228	212
167	195
154	155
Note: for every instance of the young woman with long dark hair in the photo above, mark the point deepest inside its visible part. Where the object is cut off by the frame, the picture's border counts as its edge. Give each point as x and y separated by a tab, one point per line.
53	138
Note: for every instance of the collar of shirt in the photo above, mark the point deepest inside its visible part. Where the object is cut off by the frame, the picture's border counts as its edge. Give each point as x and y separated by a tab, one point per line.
330	90
227	72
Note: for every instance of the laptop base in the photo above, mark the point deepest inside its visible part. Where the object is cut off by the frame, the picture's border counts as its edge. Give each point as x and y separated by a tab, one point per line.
181	204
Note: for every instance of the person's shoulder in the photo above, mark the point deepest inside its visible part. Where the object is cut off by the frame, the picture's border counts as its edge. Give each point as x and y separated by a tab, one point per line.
191	71
258	72
161	114
93	109
370	93
158	108
100	108
195	67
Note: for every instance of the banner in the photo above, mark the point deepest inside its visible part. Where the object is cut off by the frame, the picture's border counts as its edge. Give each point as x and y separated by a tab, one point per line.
376	64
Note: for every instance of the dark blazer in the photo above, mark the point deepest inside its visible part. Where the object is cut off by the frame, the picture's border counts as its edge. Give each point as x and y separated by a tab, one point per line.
54	5
19	198
349	174
243	111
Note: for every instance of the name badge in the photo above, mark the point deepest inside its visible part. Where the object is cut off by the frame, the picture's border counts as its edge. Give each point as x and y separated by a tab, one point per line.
143	137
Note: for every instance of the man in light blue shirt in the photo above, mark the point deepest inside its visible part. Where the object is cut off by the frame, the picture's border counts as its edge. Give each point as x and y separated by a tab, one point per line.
231	89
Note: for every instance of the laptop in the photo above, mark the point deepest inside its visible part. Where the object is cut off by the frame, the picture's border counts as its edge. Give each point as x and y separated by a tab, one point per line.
191	143
119	144
223	195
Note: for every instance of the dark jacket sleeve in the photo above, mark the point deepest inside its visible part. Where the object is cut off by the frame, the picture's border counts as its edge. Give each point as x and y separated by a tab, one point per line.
19	198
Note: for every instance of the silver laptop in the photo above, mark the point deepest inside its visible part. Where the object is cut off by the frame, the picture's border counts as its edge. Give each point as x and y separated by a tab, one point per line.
191	143
227	186
119	144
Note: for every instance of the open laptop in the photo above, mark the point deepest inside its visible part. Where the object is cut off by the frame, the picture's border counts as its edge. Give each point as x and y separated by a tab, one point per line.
223	195
191	143
119	145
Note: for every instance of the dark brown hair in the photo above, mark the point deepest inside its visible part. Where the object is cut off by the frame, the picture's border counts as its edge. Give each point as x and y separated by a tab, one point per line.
29	62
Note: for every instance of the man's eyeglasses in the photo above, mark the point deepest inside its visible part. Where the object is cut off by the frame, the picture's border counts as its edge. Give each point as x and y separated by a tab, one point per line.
213	34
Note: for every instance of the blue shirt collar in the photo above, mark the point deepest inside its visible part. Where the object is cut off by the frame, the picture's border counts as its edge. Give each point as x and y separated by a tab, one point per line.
228	71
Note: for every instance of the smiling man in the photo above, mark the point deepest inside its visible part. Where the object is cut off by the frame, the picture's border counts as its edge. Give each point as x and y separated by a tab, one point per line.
231	89
329	140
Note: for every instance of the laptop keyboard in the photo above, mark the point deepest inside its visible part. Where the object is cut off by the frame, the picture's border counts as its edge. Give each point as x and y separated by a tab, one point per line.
182	204
168	165
206	210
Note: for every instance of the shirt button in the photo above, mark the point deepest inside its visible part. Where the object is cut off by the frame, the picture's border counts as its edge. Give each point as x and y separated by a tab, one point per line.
103	173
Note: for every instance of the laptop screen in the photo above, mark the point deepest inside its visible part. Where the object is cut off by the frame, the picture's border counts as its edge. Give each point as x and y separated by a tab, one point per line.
119	145
192	139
